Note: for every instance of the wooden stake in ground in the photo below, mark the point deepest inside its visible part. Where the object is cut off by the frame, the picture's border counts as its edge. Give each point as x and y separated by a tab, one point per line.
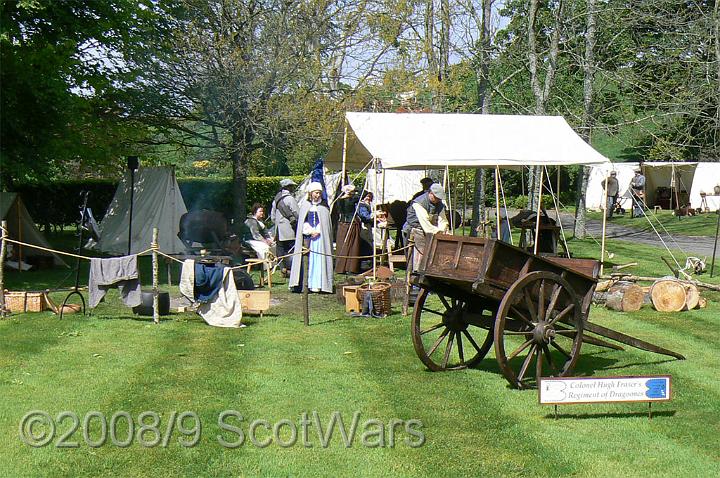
156	305
2	265
305	292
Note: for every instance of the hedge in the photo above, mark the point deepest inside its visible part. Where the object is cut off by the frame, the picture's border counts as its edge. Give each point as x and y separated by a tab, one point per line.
58	203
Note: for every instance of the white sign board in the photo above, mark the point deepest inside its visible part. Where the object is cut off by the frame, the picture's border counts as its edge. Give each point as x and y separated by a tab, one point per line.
559	391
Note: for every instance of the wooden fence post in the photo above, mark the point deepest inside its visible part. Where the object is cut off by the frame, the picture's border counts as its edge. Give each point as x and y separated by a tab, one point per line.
154	246
305	293
2	265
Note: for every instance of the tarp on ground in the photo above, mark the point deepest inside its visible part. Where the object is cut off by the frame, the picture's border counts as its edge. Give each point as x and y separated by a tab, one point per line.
427	140
156	203
22	228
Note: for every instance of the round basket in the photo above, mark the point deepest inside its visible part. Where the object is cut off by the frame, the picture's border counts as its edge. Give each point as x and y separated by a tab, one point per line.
380	294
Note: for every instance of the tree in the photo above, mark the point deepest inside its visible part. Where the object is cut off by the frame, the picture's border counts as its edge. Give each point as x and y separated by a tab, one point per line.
59	100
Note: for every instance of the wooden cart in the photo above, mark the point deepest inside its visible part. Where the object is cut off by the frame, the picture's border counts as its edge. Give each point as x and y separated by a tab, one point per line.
476	292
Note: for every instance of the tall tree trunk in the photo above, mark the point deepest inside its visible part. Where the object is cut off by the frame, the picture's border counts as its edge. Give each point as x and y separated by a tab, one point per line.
588	117
240	158
541	92
483	86
716	21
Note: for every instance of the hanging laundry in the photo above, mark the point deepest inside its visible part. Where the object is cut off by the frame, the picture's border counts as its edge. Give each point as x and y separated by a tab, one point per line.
120	272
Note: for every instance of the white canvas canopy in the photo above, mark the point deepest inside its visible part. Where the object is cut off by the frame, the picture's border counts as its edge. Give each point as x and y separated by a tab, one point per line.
332	182
421	140
21	228
393	185
707	177
156	203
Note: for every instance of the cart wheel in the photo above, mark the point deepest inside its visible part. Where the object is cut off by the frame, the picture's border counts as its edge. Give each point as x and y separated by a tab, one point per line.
539	320
439	318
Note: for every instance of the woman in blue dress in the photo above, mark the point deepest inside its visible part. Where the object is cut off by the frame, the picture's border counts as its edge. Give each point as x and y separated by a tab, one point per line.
314	231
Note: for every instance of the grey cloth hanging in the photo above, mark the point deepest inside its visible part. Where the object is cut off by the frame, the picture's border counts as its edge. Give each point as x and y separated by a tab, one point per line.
120	272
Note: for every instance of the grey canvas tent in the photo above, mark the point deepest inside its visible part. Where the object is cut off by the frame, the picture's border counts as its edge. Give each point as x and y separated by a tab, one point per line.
22	228
156	203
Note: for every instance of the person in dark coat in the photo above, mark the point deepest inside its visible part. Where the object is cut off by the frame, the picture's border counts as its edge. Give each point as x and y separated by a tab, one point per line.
347	240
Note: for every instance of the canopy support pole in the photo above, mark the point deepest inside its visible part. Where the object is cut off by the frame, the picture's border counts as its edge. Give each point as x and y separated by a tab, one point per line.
497	203
539	207
604	225
344	156
374	248
449	210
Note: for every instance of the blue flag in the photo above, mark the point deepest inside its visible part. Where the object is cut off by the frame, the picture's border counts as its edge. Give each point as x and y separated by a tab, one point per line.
318	175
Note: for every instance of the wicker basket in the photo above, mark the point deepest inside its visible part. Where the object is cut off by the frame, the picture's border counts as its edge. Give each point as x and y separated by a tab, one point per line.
380	294
25	301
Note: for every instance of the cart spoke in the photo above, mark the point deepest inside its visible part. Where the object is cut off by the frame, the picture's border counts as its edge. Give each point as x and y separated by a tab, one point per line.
529	304
538	364
438	341
557	289
434	327
519	349
460	347
517	332
562	350
444	301
541	301
563	313
526	363
570	333
549	359
520	315
472	341
448	349
425	309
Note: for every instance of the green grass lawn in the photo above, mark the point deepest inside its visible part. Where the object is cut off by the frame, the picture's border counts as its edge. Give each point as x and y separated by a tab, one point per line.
473	424
701	225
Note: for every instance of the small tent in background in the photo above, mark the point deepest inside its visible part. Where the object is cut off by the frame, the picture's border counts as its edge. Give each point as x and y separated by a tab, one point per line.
21	227
707	178
595	193
668	184
156	203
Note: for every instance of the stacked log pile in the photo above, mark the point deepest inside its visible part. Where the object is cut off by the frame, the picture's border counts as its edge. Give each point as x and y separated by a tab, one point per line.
665	295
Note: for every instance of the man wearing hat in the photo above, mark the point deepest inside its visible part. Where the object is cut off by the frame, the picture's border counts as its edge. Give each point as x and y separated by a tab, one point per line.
613	187
425	183
425	215
637	189
284	215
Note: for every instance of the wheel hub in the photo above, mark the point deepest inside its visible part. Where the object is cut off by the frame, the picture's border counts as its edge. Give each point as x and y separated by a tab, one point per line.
544	333
453	319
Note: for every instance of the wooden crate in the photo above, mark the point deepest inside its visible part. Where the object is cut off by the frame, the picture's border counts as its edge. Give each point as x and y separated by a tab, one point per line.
25	301
254	301
351	302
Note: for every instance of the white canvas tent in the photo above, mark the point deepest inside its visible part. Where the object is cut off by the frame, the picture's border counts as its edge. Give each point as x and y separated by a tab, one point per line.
421	140
595	194
393	185
689	179
156	203
707	177
21	228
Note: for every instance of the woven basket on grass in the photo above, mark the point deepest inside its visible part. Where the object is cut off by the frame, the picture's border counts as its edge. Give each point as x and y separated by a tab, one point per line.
380	293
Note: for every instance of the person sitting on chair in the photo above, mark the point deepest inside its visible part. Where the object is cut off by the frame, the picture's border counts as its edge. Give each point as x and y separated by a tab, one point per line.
259	237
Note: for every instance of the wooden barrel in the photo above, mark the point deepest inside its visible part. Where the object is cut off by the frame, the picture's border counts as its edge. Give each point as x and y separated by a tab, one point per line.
668	295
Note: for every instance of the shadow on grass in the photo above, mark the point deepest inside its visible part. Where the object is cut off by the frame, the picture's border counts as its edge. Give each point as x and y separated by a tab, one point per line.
593	416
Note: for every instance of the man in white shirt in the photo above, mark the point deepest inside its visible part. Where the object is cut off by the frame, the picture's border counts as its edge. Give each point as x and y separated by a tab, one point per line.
425	215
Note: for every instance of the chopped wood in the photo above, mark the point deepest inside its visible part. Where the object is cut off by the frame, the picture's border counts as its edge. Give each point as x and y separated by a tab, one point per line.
621	276
624	297
668	295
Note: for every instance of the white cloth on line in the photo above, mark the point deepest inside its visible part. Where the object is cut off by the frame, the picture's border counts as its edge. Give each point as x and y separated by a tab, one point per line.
225	310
